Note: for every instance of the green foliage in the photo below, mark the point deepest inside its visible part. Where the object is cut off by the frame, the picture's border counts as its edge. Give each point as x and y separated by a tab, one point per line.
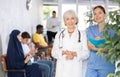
117	74
46	12
89	18
112	45
110	75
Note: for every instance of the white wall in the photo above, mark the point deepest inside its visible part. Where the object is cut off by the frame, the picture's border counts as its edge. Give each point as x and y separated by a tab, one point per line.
14	15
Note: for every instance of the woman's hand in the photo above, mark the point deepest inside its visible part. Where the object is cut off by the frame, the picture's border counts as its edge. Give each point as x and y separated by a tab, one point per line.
69	54
65	52
102	50
97	38
32	52
27	58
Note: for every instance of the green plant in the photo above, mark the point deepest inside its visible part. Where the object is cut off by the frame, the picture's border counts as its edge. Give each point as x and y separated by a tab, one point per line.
89	17
112	45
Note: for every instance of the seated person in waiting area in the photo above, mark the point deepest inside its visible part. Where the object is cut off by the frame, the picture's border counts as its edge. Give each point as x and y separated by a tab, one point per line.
16	60
40	41
45	65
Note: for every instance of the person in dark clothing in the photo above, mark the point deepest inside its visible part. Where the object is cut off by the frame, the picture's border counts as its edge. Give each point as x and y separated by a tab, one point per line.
16	60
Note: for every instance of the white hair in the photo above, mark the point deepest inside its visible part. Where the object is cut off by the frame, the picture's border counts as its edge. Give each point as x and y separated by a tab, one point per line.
67	13
70	12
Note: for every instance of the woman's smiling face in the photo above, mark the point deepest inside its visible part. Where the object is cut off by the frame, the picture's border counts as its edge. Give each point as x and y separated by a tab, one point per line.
99	15
70	20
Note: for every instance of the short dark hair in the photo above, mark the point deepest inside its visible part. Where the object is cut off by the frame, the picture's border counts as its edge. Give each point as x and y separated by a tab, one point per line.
53	11
101	7
39	26
25	35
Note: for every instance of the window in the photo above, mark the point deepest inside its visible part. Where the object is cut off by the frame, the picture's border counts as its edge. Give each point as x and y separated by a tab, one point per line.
83	6
50	1
47	12
68	1
82	10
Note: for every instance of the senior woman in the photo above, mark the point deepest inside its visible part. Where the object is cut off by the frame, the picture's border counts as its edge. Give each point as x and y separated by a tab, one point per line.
70	48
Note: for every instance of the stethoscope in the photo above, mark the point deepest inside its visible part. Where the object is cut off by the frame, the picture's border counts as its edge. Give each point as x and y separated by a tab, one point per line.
61	36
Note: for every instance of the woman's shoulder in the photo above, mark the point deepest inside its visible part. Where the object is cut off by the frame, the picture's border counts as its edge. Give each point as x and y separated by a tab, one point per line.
92	28
60	33
82	31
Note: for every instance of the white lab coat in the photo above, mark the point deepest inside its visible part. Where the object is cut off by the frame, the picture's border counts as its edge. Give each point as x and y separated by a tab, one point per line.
70	68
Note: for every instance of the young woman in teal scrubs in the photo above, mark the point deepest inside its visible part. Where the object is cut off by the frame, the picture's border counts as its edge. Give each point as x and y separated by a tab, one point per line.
97	65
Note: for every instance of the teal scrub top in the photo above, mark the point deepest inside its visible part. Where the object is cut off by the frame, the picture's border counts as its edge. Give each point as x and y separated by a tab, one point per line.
95	61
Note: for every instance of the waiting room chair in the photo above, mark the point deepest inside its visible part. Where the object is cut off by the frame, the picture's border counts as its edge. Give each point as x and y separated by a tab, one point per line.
4	66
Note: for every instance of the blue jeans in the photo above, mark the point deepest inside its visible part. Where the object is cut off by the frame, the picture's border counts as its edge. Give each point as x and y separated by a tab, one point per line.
47	67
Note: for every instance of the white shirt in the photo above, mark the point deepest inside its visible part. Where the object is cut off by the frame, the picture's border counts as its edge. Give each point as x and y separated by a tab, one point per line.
53	22
26	49
70	68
